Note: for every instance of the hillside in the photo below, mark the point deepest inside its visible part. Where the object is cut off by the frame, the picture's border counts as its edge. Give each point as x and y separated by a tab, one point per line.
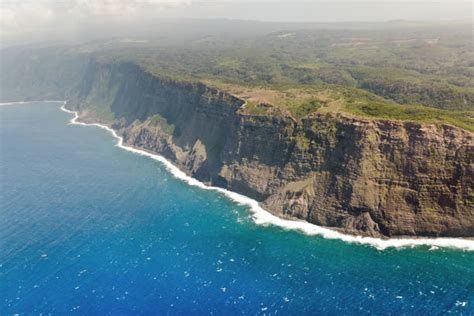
399	71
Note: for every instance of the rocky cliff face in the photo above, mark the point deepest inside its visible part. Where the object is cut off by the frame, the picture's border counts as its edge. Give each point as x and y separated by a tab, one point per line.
369	177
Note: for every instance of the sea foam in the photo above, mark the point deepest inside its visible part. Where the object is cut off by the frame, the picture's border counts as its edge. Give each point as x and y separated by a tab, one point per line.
263	217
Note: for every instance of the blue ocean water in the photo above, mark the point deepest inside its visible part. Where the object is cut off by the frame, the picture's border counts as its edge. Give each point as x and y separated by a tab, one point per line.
88	228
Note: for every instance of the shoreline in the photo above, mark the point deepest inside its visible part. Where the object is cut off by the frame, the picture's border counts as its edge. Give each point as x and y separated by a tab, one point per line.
262	217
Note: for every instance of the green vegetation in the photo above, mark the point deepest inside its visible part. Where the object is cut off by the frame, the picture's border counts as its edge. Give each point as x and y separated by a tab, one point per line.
160	122
102	113
404	71
255	108
419	72
303	107
367	105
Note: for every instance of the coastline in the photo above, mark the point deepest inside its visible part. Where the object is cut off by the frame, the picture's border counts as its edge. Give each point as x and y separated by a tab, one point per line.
265	218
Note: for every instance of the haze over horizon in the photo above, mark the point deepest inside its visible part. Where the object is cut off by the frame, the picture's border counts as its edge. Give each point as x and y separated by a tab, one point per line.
27	21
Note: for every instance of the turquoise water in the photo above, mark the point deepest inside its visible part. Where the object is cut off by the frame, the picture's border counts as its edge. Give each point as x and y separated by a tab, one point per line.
88	228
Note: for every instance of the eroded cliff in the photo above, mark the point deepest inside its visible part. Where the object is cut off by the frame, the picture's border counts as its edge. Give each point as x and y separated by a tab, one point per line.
370	177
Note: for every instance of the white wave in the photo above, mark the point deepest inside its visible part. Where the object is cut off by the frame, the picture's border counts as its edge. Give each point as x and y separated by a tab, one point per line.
263	217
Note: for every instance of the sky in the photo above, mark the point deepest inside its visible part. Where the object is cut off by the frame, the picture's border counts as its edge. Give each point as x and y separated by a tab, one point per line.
27	19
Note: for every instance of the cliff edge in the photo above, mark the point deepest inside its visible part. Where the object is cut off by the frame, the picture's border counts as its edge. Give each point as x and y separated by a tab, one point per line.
371	177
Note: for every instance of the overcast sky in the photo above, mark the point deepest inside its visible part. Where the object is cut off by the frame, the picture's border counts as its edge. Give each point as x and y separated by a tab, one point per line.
27	18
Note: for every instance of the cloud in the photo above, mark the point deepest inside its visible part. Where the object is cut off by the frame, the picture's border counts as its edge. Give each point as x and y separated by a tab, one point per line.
26	21
18	15
124	7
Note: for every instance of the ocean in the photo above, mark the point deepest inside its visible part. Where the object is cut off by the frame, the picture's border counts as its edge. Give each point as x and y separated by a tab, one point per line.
87	227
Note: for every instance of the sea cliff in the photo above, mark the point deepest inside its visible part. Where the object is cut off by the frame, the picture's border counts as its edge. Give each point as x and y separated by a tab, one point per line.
370	177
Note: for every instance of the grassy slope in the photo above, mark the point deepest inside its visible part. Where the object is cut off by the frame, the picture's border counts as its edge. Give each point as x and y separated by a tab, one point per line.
299	101
423	73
